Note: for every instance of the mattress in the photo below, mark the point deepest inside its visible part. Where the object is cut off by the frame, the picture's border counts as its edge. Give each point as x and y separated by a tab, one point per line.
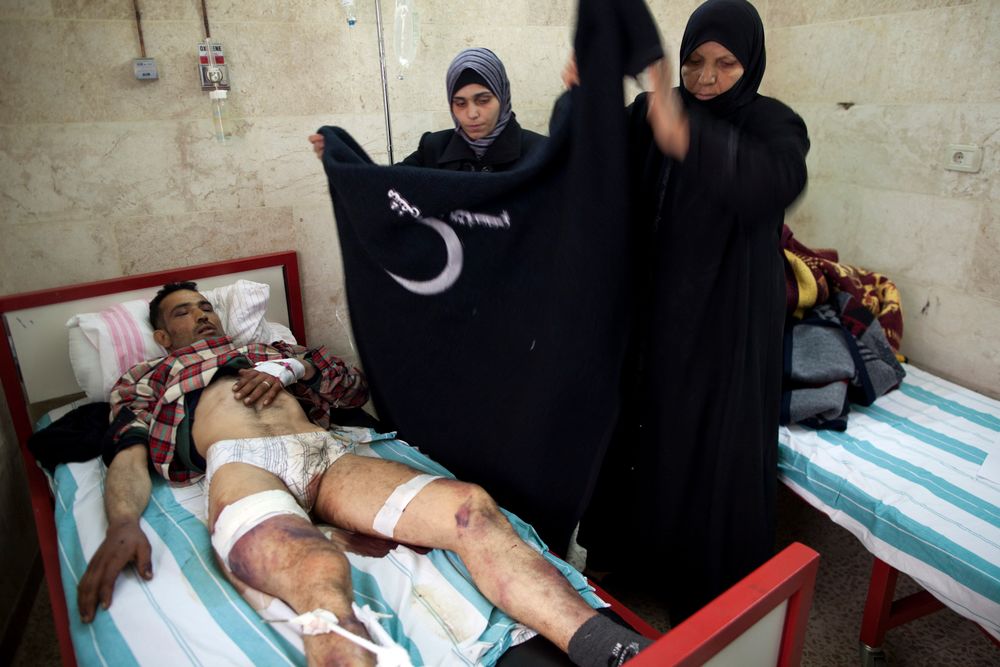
188	614
905	478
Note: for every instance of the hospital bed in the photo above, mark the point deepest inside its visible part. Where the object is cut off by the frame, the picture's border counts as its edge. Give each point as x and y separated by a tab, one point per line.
188	613
907	479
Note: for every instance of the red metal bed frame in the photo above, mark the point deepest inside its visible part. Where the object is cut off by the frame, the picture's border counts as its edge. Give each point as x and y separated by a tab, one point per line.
789	576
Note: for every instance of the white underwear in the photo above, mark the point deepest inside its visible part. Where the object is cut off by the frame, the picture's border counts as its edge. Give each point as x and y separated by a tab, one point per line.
298	460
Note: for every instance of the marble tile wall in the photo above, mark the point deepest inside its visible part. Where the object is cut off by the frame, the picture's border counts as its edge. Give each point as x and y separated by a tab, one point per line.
914	76
102	175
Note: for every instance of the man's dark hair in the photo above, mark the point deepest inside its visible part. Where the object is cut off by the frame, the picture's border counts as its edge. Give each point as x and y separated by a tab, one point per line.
155	318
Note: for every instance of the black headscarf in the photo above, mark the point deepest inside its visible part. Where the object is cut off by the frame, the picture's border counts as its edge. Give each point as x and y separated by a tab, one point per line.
737	26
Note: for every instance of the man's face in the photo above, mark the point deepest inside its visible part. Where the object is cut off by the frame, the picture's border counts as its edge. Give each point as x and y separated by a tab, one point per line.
185	318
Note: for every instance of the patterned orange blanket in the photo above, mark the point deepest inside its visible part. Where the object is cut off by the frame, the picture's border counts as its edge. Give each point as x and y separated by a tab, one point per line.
812	275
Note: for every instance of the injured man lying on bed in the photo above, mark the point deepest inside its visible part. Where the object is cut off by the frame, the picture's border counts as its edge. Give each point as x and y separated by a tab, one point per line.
233	414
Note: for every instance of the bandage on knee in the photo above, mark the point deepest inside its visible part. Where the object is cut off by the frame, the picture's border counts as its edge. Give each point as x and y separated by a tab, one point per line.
387	517
239	518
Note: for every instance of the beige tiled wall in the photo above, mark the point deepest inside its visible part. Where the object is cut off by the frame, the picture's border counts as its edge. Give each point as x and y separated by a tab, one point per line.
916	76
102	175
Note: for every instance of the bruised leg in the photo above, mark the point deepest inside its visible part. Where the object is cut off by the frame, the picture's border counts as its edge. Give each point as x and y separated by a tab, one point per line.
461	517
287	557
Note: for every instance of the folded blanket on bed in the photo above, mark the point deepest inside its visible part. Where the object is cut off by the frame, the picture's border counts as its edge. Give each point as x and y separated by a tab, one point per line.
837	354
76	436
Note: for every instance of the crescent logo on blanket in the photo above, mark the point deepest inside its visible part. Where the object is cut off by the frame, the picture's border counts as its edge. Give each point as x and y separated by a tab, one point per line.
453	245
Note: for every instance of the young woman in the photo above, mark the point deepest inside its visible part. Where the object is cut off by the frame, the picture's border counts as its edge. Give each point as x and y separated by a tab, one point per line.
487	136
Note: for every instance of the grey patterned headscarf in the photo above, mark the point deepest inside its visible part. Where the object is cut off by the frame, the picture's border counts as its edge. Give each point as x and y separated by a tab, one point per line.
486	64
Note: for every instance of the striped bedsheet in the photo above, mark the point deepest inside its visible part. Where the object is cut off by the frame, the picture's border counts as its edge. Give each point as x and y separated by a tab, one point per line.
188	614
904	479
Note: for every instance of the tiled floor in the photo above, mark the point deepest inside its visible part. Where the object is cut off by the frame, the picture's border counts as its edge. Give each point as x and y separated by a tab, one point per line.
940	640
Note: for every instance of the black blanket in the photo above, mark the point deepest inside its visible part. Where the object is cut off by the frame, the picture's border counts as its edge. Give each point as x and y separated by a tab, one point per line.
490	309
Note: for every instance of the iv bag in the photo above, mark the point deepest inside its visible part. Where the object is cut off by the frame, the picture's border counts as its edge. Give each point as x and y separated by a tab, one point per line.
407	33
352	16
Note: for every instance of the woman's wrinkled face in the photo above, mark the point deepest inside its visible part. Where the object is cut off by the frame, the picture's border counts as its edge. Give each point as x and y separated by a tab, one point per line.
710	70
477	110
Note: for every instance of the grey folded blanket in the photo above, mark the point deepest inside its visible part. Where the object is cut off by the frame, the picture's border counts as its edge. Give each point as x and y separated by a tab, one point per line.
836	355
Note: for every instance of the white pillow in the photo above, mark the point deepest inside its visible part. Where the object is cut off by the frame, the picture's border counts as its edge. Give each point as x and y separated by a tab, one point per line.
103	345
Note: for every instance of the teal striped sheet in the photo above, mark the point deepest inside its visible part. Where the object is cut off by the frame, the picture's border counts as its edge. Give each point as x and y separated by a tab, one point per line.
904	479
188	614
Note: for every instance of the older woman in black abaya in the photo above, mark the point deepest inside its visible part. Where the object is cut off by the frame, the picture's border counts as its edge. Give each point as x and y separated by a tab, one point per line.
688	486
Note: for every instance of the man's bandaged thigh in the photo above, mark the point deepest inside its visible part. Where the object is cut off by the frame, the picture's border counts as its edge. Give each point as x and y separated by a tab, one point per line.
239	518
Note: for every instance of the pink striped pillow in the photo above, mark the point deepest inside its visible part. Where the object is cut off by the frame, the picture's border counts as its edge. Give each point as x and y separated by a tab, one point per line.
105	344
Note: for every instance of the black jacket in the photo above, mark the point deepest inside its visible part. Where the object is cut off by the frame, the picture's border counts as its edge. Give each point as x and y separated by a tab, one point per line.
447	150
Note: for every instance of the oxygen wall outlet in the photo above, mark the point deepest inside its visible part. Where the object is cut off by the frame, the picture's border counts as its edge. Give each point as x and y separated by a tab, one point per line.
963	157
212	70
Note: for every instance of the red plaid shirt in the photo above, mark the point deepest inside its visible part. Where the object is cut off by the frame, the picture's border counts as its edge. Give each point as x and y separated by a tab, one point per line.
154	392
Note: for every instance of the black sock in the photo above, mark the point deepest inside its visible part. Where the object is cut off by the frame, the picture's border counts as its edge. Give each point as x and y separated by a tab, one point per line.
600	642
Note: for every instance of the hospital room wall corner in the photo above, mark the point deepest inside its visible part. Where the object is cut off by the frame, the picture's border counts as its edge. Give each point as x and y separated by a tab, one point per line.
880	191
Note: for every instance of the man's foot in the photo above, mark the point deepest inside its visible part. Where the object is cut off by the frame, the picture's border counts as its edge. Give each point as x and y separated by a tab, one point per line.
601	642
620	655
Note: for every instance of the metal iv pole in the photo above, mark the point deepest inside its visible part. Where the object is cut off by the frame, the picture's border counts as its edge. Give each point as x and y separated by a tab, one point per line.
385	83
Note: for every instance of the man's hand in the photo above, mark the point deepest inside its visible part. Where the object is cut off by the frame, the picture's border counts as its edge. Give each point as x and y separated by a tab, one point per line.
124	543
256	388
318	144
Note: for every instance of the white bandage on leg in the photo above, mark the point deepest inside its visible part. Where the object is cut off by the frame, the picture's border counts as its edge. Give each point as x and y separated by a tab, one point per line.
287	371
242	516
387	652
387	517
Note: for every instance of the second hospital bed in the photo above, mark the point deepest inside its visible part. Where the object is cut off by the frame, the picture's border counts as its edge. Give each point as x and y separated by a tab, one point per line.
907	478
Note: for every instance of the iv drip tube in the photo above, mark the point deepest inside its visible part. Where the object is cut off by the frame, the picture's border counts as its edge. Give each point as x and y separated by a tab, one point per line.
385	84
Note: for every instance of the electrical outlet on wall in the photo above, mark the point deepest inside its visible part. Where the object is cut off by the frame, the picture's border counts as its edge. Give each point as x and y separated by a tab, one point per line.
963	157
145	69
